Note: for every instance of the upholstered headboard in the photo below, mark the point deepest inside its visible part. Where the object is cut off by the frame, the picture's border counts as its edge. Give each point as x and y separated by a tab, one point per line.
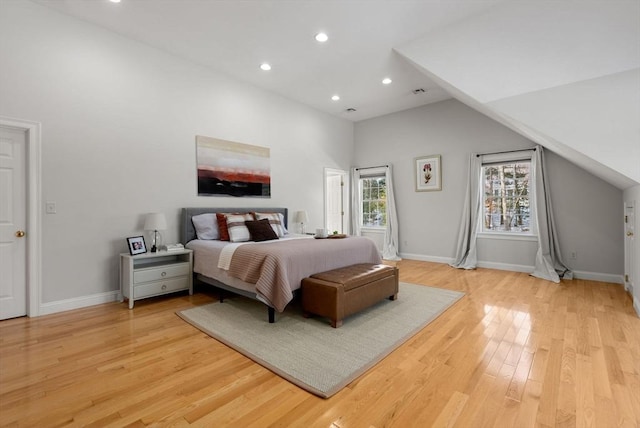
188	232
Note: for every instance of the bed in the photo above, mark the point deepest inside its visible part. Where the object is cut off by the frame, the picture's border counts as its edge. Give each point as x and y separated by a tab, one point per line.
269	271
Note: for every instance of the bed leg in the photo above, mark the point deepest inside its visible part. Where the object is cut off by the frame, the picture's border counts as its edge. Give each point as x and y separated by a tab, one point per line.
272	315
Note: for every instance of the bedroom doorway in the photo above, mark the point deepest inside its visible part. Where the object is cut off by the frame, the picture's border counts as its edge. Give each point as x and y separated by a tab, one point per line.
630	258
19	218
335	200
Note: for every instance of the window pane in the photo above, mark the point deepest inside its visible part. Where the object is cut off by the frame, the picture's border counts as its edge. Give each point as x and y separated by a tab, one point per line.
506	197
373	202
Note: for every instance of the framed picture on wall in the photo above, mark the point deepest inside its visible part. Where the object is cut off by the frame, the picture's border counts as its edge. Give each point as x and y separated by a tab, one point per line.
428	173
136	245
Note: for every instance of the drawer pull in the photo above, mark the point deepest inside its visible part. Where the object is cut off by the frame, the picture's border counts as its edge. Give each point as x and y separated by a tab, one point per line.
163	274
164	287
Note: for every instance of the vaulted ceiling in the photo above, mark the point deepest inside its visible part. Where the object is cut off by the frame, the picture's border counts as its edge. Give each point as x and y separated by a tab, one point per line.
564	74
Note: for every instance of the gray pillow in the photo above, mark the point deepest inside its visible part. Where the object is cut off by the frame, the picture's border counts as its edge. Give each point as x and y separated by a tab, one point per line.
206	226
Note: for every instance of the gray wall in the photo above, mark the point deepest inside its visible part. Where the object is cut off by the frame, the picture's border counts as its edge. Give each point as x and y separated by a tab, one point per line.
587	209
119	121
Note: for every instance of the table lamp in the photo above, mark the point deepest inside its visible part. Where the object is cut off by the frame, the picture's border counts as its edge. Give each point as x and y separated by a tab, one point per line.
155	222
301	217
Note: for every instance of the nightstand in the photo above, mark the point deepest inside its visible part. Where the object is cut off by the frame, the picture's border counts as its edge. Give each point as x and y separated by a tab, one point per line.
154	274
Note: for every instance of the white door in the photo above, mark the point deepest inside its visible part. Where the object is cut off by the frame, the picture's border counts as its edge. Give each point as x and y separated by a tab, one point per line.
13	242
630	258
334	205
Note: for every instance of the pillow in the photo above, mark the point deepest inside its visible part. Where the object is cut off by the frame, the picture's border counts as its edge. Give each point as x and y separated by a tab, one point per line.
261	230
206	226
286	232
238	231
274	220
223	230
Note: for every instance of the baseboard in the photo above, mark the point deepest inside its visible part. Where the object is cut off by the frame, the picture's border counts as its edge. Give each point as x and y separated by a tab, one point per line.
636	306
592	276
481	264
505	266
596	276
78	302
423	258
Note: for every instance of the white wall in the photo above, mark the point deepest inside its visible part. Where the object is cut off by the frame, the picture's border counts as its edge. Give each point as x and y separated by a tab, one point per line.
585	115
587	209
567	72
119	121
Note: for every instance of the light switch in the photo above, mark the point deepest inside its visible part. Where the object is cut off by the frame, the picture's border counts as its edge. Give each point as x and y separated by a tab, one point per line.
50	207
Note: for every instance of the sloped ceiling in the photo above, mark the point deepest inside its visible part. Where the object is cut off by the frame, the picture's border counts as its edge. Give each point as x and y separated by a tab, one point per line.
234	37
564	74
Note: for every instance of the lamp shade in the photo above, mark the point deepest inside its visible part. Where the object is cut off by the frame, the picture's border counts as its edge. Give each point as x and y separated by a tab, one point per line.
155	221
301	217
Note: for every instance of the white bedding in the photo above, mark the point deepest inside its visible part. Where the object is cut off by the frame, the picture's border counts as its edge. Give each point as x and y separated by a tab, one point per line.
272	270
214	257
227	251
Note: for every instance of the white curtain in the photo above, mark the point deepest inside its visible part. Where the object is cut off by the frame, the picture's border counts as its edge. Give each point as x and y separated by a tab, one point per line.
548	264
466	255
390	245
356	202
390	248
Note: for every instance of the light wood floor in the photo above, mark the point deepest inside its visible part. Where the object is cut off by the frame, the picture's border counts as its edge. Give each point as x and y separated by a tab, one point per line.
514	352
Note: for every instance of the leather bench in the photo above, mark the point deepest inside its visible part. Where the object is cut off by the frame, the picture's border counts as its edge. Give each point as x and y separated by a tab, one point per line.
338	293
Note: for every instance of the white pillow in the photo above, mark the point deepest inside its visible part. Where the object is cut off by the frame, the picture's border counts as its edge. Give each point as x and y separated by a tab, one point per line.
274	221
286	232
238	231
206	226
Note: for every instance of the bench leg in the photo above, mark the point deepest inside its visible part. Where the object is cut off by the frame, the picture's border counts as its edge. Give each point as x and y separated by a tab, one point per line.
272	315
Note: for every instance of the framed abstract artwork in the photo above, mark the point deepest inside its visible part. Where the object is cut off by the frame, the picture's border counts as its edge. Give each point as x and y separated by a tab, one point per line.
227	168
428	173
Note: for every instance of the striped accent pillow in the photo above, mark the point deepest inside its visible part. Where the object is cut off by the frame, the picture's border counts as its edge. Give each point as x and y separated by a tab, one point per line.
274	221
238	231
223	232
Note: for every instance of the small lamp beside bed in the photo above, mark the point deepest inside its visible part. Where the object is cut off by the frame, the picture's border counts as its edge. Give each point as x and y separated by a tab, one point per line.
301	217
155	222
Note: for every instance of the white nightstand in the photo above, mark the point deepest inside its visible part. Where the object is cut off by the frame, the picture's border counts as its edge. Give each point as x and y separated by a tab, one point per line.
154	274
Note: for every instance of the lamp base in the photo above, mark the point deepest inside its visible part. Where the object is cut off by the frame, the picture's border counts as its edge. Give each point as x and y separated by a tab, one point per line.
154	249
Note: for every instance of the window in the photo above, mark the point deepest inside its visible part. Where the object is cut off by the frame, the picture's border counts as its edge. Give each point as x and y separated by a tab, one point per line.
506	203
374	201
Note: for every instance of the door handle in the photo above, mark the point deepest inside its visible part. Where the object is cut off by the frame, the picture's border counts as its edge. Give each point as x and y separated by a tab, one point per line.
20	233
629	233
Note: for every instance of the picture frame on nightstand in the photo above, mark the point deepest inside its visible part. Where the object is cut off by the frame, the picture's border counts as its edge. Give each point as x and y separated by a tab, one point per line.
136	245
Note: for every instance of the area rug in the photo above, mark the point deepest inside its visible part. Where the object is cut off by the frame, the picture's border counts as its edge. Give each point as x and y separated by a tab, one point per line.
309	352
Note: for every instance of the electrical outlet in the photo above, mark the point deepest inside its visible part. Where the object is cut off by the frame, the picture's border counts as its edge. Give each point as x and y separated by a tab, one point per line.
573	255
50	207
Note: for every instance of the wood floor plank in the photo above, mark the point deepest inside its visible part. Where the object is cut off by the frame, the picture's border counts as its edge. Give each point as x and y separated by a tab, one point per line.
447	418
516	351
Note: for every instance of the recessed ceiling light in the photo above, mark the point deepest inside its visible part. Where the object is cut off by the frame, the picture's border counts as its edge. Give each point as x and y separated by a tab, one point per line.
265	67
322	37
114	1
335	97
386	81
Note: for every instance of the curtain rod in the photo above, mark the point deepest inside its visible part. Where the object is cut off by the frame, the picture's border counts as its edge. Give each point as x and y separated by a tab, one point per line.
507	151
372	167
